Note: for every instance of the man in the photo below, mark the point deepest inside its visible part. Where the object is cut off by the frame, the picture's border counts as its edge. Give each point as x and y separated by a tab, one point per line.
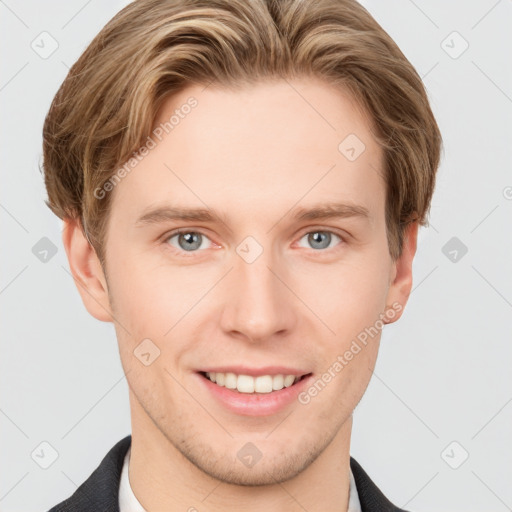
241	185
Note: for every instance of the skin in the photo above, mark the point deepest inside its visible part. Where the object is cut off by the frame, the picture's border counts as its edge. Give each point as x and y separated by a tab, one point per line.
254	155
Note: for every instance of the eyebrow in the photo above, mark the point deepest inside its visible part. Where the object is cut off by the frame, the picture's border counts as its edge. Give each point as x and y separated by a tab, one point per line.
332	210
316	212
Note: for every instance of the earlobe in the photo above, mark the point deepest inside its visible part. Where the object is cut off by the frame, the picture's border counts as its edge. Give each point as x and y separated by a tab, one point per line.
86	271
401	278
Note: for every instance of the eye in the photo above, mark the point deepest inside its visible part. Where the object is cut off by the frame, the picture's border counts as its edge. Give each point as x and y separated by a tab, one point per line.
187	241
320	239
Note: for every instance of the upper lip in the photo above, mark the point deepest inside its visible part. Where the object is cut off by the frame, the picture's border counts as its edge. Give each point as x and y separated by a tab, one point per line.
255	372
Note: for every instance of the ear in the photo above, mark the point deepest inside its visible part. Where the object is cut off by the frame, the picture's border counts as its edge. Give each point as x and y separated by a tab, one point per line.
401	275
86	271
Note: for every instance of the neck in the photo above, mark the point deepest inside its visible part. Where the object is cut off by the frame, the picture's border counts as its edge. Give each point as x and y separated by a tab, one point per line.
163	479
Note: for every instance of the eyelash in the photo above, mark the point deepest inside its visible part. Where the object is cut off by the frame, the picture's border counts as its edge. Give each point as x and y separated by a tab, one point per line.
184	254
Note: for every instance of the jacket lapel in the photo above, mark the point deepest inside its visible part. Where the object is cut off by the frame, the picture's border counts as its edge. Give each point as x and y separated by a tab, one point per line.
370	496
101	490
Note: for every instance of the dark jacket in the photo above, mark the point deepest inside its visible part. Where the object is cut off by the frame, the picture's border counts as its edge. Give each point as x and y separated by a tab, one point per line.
100	492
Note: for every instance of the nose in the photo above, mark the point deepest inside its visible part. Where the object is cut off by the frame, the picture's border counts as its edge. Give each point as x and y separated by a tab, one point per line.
258	305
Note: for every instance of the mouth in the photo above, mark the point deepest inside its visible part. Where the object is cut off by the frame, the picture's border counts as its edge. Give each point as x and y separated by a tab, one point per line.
253	385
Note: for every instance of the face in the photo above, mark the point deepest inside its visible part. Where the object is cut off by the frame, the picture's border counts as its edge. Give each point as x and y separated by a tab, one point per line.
264	286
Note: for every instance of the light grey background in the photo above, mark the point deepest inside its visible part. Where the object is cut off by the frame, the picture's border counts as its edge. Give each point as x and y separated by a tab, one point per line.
443	373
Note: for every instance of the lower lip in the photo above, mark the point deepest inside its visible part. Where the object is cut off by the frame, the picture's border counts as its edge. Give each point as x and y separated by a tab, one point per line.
262	404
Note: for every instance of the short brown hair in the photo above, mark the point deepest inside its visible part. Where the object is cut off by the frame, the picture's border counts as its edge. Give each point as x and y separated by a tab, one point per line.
106	106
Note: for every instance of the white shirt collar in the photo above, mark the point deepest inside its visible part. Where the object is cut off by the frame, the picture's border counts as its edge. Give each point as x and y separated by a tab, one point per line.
129	503
127	500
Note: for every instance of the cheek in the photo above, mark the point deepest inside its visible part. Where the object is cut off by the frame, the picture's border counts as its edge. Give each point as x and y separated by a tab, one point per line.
155	302
349	296
352	303
145	296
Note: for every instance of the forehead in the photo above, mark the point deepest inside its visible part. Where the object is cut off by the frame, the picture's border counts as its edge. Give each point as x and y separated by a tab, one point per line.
260	149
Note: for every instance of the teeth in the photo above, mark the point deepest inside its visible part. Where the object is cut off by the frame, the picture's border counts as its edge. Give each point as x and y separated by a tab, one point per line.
277	382
263	384
249	384
230	381
289	380
245	384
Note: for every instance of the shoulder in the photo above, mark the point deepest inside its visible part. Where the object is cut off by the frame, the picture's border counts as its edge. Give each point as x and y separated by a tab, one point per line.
370	496
101	489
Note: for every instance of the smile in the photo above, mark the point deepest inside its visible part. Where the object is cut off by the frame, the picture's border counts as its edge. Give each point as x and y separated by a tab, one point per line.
252	385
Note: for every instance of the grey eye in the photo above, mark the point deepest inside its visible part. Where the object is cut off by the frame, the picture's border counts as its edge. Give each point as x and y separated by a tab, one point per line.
320	239
188	240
